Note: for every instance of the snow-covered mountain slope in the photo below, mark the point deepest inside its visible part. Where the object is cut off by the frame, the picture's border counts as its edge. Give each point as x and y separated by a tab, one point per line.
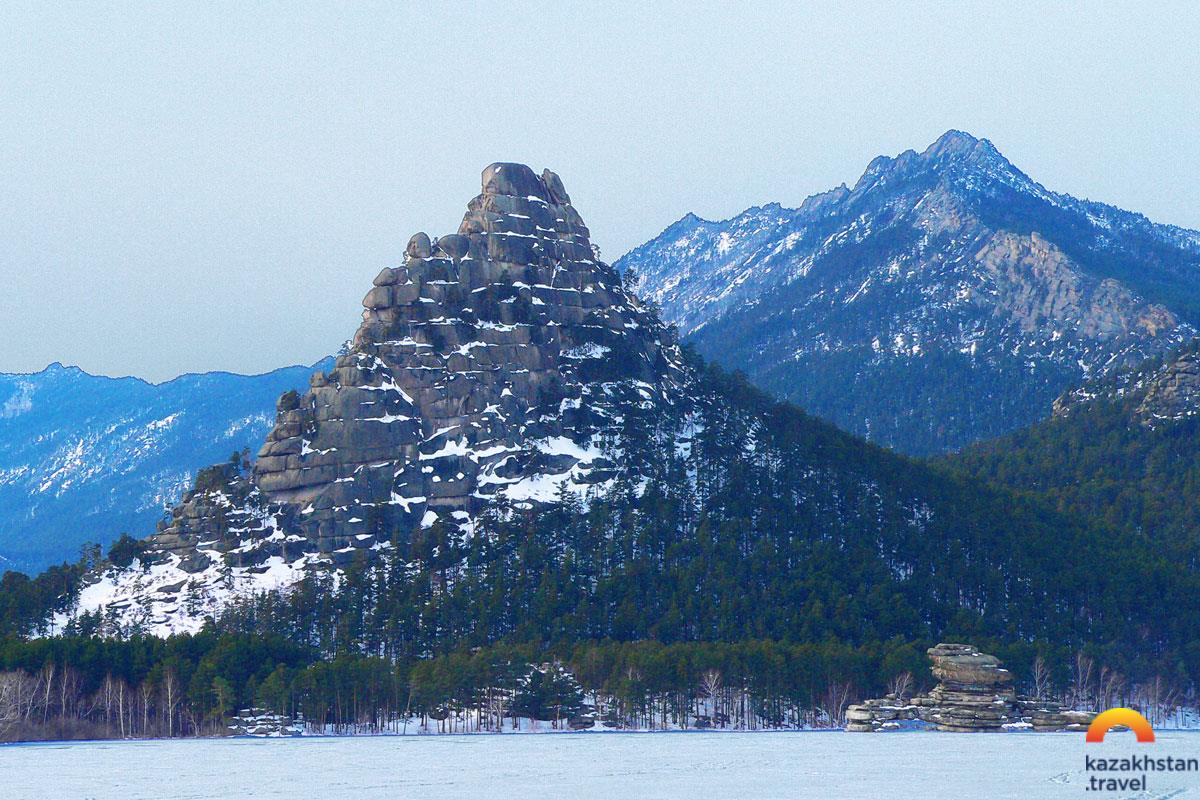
84	458
514	445
500	362
944	299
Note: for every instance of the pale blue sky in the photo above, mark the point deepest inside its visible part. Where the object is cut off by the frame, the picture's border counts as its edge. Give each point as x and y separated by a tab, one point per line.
212	186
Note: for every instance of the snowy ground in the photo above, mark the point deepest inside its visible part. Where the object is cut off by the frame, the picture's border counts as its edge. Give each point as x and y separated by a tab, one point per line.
612	766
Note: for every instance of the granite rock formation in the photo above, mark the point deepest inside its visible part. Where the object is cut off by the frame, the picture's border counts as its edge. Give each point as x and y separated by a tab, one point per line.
483	343
1158	392
493	363
974	693
1174	393
260	723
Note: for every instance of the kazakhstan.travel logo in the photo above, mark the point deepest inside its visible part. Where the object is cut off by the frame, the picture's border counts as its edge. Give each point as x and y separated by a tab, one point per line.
1127	773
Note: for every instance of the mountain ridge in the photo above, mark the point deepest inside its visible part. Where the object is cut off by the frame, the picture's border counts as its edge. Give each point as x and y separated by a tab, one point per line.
479	468
940	275
86	457
1119	450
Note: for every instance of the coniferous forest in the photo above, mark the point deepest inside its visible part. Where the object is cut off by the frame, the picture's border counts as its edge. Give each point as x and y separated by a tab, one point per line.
725	586
1107	459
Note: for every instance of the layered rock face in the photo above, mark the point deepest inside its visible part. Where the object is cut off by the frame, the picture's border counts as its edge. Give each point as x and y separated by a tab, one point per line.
495	362
489	363
505	333
974	693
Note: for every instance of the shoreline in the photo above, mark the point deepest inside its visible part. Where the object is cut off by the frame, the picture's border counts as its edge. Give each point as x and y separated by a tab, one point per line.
605	732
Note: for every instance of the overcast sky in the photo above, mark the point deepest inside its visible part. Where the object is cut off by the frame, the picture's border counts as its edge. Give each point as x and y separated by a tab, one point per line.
201	186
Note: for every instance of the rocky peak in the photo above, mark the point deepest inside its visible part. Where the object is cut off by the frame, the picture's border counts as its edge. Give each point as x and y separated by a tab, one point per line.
494	362
957	162
954	144
956	152
948	272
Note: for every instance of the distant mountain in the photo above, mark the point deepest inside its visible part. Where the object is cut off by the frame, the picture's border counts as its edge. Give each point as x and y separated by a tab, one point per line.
946	298
85	458
1124	450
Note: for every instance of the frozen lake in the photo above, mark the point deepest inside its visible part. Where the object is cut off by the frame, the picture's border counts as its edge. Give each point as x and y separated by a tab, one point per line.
602	765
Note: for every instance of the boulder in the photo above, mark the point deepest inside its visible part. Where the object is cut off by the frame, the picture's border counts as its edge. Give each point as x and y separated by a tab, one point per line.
554	186
454	245
581	722
386	277
419	246
514	180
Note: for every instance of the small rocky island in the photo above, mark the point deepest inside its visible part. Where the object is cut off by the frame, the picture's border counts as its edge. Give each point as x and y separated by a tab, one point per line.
260	722
974	693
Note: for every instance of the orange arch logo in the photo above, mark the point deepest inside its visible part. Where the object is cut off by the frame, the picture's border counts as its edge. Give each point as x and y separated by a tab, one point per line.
1120	716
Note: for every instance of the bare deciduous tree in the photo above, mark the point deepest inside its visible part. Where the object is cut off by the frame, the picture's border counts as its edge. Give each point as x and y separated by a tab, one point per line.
1111	688
901	685
1040	679
1081	685
710	688
833	703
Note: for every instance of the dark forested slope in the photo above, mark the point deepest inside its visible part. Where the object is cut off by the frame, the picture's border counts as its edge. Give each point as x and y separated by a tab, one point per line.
1124	451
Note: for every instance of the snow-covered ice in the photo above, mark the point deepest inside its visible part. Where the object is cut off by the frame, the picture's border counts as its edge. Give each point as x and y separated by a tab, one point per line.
612	766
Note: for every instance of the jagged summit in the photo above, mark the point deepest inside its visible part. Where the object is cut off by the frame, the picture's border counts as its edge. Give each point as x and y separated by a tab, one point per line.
953	146
958	160
958	143
946	298
495	362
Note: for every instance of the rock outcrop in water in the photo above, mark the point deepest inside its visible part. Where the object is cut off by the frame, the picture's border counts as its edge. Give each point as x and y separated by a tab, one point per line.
974	693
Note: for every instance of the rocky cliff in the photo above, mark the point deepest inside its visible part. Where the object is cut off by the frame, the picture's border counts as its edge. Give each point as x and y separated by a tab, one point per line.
496	362
1174	392
1157	393
945	298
